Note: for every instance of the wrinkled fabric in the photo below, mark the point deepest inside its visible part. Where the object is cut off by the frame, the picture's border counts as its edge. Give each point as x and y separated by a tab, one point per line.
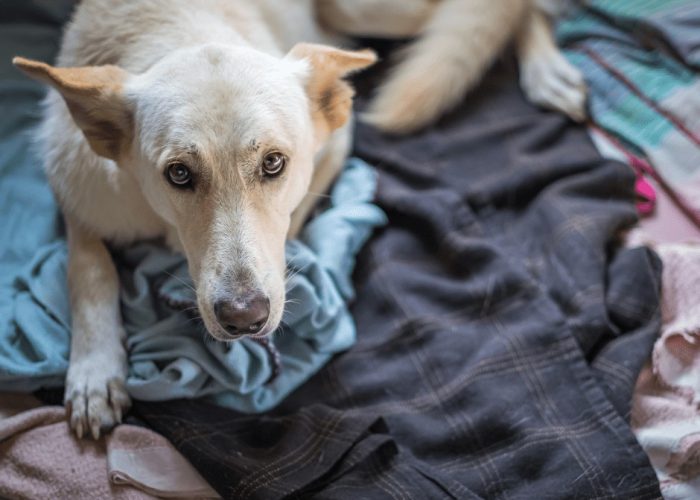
500	330
666	406
641	62
140	458
170	357
40	457
668	223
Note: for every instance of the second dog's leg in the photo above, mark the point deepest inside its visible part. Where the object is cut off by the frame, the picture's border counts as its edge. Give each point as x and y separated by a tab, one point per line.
546	77
95	385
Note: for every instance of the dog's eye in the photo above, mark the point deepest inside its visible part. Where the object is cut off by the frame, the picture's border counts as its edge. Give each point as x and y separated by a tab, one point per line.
179	175
273	163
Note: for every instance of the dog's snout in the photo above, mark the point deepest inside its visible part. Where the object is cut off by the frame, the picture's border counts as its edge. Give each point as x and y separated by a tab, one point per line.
244	314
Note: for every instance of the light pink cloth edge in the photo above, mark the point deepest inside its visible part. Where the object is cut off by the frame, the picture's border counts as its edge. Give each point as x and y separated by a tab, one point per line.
133	456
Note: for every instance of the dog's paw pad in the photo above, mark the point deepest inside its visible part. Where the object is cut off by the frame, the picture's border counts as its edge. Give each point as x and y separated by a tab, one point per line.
95	399
553	83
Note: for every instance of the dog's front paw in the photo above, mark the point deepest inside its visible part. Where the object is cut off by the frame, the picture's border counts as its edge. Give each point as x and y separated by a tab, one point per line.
96	396
552	82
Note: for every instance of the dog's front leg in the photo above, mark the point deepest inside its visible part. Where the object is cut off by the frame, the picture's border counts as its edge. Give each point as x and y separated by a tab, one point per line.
95	385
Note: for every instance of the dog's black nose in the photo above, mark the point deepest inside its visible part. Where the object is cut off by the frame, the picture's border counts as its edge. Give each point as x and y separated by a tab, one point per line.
245	314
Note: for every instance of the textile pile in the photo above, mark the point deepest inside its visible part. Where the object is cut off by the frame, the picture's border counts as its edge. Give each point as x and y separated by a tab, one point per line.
486	342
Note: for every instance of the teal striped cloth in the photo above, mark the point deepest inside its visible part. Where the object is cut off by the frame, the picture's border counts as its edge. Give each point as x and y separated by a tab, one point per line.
641	60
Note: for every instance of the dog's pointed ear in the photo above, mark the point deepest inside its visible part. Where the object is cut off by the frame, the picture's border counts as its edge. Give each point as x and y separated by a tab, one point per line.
330	96
95	100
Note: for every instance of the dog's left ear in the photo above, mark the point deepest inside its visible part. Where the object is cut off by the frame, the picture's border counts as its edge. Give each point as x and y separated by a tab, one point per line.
330	96
94	98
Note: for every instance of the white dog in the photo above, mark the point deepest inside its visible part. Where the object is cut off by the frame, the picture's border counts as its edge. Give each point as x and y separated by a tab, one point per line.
212	124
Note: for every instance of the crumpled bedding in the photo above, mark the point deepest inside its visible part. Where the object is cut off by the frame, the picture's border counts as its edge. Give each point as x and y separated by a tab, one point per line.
169	353
666	405
641	61
500	330
40	457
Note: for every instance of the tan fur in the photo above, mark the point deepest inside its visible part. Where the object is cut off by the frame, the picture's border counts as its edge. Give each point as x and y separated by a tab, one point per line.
331	97
93	96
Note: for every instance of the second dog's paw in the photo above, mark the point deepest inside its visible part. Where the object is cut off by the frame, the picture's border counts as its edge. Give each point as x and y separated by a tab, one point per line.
552	82
96	397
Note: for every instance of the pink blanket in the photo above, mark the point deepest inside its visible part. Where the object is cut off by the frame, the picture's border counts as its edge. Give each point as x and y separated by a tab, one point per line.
665	413
40	458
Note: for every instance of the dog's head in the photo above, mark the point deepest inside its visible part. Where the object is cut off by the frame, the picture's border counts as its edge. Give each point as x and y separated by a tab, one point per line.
222	141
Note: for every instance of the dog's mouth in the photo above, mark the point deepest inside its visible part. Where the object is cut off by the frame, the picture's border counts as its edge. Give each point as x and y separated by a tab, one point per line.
190	307
232	337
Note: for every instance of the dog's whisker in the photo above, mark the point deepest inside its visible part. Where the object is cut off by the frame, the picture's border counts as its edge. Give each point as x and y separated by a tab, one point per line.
198	320
290	262
181	281
295	272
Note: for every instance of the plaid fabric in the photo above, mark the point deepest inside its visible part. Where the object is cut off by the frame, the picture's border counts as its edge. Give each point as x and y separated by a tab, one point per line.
500	331
641	60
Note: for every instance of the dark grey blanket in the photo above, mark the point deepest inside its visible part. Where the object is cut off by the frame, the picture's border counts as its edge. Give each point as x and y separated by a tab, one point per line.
501	330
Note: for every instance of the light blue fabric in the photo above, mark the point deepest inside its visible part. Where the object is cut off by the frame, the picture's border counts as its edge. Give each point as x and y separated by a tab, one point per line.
169	352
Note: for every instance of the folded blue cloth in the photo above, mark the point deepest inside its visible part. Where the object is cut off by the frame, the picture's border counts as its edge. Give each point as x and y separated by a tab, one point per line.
170	355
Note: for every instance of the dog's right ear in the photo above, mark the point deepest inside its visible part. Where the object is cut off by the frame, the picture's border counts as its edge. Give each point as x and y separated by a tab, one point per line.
330	95
95	100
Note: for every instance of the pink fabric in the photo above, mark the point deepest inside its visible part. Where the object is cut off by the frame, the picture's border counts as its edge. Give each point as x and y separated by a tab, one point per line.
666	405
147	461
41	458
668	224
676	357
646	196
663	220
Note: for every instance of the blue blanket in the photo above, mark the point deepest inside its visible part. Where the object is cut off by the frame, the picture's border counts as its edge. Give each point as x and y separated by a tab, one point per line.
169	354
